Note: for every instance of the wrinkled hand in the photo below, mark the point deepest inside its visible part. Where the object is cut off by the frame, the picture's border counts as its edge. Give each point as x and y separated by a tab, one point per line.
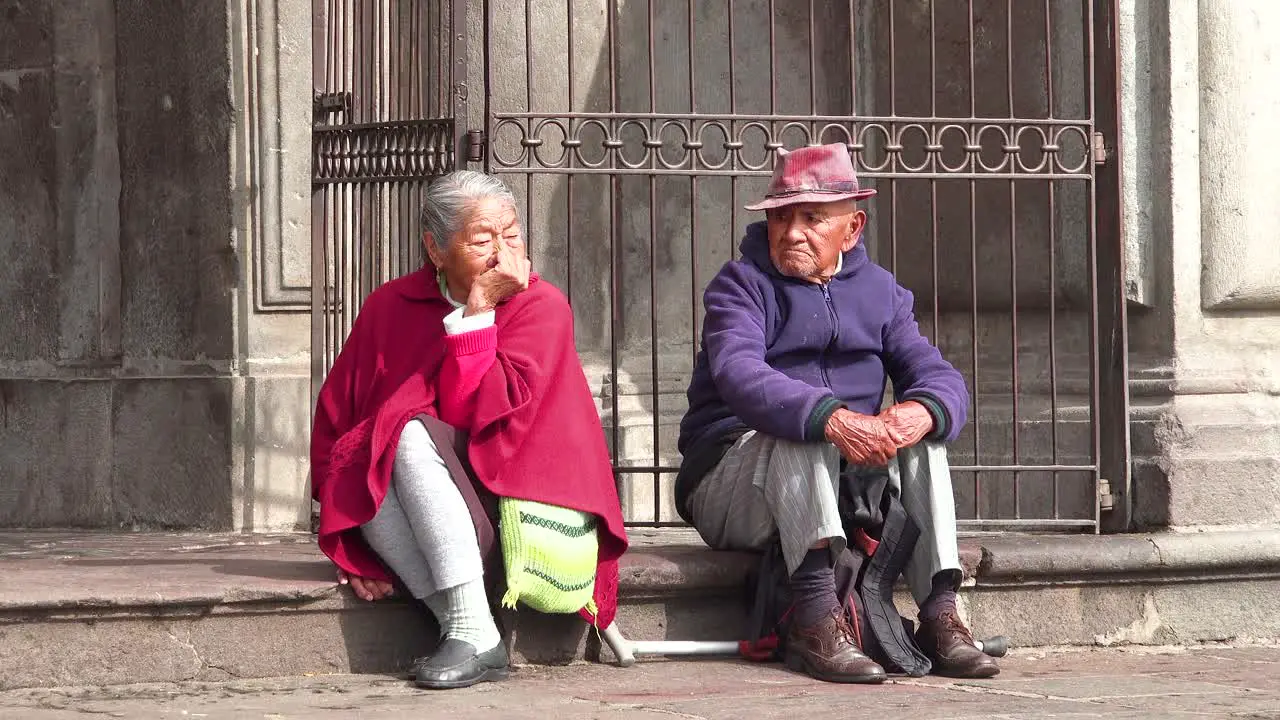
907	422
507	275
366	588
862	439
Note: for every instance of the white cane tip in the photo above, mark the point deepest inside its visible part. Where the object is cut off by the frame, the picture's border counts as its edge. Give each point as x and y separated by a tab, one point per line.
618	644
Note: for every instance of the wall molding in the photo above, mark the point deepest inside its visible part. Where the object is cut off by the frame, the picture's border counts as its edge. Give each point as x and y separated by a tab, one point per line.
1240	209
272	50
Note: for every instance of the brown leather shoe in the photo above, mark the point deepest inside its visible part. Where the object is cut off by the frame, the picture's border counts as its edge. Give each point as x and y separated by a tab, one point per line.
829	651
949	644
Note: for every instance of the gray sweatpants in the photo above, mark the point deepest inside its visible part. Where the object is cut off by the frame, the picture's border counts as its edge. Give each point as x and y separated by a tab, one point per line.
423	530
765	486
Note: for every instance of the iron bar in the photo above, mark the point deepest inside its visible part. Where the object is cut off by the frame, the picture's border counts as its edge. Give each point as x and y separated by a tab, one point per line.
773	61
853	58
530	229
568	210
401	225
416	89
1013	272
733	157
653	276
936	330
693	206
976	392
1053	266
1111	329
1095	373
442	87
893	111
813	65
1027	525
459	55
615	281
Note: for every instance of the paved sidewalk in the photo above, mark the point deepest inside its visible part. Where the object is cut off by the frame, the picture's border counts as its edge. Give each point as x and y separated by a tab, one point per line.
1212	681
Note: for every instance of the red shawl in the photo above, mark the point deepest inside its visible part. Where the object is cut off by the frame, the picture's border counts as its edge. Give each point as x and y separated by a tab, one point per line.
536	433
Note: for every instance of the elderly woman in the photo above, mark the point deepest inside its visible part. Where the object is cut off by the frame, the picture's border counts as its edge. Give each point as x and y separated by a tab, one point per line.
459	384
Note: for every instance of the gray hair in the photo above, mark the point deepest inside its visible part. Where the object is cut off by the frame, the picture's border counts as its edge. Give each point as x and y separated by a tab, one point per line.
449	198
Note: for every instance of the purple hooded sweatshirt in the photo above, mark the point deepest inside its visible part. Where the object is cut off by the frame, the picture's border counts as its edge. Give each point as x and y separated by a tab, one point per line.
780	355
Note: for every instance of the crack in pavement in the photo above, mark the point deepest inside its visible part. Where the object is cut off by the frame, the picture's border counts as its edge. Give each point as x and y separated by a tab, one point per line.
983	690
608	705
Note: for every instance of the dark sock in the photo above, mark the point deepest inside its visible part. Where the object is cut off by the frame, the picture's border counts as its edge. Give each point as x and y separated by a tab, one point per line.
942	597
813	589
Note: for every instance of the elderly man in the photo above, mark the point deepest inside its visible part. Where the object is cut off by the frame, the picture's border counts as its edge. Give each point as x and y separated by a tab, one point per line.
799	339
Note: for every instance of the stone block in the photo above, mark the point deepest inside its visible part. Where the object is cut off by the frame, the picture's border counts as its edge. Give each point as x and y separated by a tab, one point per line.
1201	612
29	248
172	452
88	183
26	34
173	79
104	652
1223	491
1082	615
274	442
1150	488
55	453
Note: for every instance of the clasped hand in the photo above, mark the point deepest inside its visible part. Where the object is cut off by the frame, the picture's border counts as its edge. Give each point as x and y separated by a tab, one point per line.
873	441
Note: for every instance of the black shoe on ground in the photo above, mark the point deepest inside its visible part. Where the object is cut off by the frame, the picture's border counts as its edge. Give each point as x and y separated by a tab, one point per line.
456	664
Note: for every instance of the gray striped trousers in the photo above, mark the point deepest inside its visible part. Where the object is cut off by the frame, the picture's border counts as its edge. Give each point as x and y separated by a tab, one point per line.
765	486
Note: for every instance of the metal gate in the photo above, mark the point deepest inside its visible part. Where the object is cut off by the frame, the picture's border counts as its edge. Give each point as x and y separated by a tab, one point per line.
634	130
389	79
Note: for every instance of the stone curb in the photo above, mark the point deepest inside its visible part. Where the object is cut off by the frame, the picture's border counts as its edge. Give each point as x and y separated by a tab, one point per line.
1014	558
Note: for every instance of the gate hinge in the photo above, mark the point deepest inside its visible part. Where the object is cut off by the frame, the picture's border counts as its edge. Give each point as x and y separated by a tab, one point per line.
475	146
1106	501
1100	150
330	102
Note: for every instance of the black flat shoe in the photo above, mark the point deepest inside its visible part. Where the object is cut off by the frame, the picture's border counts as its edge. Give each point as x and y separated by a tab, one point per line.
456	664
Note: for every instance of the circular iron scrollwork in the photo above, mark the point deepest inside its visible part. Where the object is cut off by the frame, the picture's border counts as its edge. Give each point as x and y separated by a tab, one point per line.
880	147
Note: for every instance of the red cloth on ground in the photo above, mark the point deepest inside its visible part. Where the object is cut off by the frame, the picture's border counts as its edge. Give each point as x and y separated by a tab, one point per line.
535	433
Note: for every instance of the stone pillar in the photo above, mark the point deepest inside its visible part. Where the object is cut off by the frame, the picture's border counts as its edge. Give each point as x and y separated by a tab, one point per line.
154	371
1207	418
271	56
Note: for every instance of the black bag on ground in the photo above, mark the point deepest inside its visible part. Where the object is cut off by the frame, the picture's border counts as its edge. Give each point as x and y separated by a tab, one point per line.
881	540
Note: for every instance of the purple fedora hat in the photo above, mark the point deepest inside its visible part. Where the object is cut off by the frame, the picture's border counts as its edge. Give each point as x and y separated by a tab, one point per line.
823	173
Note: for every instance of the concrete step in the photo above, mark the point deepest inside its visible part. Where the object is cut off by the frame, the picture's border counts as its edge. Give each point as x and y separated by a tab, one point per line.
103	609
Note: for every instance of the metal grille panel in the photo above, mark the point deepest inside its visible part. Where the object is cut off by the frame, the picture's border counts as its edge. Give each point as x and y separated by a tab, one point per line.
634	130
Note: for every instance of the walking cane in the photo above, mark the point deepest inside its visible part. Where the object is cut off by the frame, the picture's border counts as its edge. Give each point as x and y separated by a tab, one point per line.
627	650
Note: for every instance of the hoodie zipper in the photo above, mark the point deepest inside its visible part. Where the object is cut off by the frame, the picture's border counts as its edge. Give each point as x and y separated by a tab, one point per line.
835	333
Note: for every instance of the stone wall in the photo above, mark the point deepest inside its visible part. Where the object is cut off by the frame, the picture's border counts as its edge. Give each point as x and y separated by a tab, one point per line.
141	384
1206	419
154	223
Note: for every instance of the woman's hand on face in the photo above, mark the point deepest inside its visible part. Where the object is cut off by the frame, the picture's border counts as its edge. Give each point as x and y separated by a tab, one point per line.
366	588
507	275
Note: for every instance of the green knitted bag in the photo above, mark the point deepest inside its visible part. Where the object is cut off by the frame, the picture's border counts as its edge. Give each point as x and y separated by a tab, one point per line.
550	556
